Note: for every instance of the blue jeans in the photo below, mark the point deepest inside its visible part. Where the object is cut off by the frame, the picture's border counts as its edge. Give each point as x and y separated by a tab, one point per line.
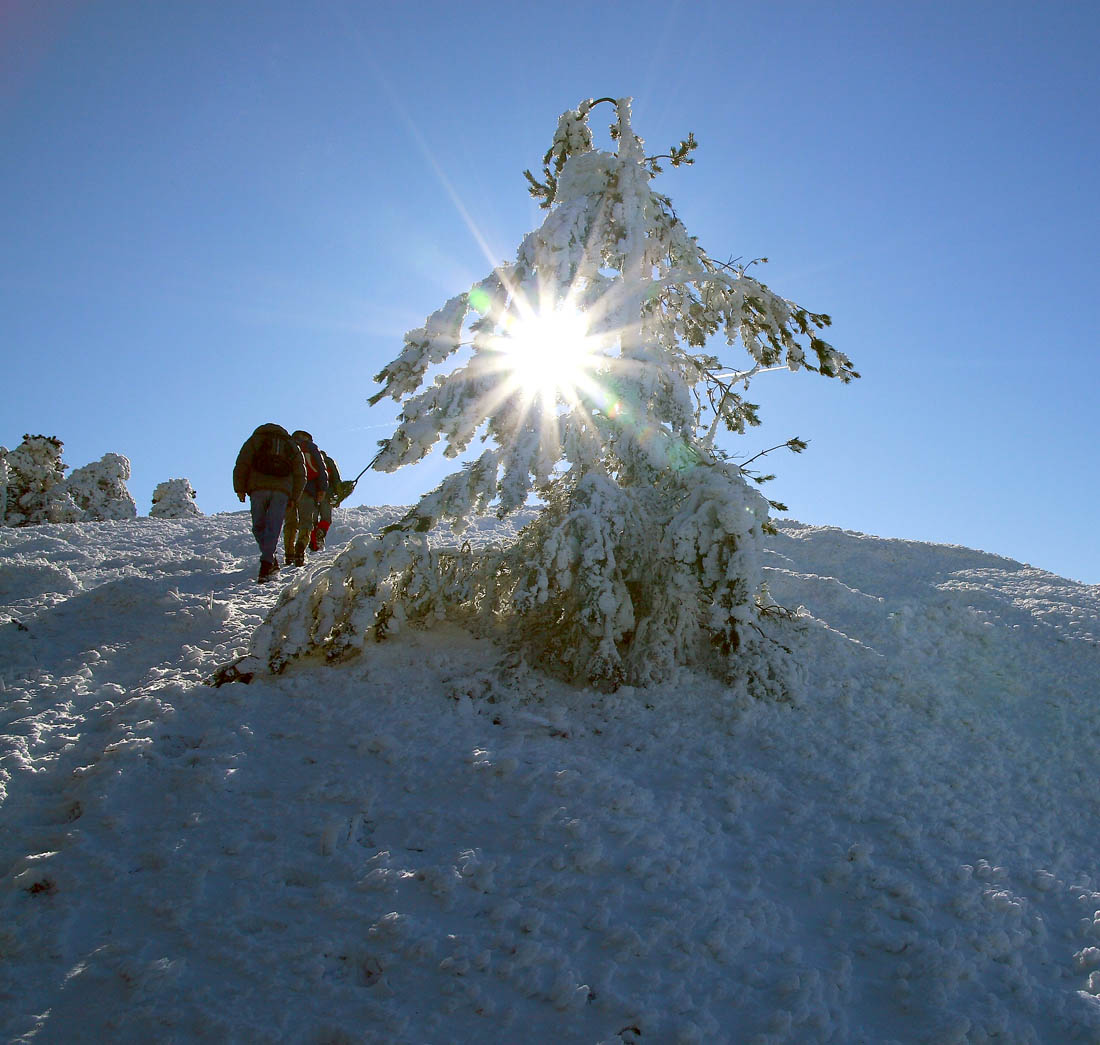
268	511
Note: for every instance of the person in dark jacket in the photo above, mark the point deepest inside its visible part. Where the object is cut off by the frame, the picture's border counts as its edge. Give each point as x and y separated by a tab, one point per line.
301	514
271	472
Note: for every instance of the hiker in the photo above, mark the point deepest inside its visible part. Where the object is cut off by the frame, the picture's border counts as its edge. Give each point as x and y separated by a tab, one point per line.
271	472
301	515
325	505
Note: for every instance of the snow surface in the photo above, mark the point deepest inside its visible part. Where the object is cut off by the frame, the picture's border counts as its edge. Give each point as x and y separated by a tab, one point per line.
418	846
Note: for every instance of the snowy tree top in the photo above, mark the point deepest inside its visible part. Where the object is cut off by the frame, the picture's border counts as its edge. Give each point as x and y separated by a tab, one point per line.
643	392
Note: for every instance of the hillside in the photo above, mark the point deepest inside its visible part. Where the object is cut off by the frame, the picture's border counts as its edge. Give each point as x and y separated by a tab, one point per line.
423	846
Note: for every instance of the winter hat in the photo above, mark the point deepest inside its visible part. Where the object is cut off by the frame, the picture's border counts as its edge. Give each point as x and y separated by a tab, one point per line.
302	434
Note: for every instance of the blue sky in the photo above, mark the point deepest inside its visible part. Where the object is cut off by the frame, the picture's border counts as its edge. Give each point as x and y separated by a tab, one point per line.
224	213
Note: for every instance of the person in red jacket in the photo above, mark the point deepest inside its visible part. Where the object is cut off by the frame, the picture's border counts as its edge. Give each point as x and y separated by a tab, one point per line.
325	505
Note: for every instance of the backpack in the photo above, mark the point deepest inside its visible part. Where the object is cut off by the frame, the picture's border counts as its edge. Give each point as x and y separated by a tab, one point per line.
330	467
311	464
272	456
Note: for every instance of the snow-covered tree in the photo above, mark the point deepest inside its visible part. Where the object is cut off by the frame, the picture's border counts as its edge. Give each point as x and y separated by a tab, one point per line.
174	499
99	489
5	471
586	368
35	489
35	484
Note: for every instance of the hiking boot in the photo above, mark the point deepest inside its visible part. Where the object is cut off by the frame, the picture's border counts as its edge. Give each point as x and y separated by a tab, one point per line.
268	570
300	554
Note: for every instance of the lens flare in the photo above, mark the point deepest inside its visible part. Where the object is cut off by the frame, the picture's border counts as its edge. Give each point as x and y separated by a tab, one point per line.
550	354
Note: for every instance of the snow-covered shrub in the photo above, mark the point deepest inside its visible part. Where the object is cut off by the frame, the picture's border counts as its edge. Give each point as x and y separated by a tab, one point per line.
174	499
99	489
35	489
4	470
35	484
584	365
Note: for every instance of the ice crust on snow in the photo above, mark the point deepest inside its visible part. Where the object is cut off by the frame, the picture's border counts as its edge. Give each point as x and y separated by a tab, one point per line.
422	845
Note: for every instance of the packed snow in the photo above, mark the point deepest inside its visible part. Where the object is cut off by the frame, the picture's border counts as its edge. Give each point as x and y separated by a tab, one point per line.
430	843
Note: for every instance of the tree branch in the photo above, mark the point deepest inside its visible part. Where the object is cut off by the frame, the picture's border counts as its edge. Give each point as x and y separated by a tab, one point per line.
795	445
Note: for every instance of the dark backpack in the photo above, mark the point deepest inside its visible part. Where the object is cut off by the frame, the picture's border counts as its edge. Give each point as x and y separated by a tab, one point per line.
330	467
272	456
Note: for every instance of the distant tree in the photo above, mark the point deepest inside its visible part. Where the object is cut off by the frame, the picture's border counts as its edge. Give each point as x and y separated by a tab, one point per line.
35	489
99	489
585	367
174	499
35	484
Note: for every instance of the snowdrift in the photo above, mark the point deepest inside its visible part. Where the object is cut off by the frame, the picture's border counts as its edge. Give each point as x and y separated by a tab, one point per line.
427	845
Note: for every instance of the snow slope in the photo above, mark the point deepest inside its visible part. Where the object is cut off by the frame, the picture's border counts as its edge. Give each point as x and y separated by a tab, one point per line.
423	847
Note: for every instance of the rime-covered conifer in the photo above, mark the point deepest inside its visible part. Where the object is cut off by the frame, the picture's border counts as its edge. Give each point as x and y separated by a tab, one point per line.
645	551
5	471
36	491
99	489
174	499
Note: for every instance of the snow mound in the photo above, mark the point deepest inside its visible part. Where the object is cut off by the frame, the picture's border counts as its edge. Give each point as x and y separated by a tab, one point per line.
431	843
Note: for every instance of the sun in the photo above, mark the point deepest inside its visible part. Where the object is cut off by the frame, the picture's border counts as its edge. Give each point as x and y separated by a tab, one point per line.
550	354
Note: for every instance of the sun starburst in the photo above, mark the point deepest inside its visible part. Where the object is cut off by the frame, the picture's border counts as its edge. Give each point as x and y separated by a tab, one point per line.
548	355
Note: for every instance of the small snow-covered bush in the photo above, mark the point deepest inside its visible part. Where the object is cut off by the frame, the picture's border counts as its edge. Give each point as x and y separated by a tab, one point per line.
35	484
174	499
35	489
99	489
585	367
4	472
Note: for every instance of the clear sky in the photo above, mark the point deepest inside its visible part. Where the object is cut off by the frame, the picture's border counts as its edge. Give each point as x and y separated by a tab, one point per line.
219	213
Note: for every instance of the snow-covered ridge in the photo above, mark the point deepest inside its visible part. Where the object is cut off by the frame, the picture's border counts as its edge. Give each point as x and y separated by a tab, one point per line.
421	846
905	570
